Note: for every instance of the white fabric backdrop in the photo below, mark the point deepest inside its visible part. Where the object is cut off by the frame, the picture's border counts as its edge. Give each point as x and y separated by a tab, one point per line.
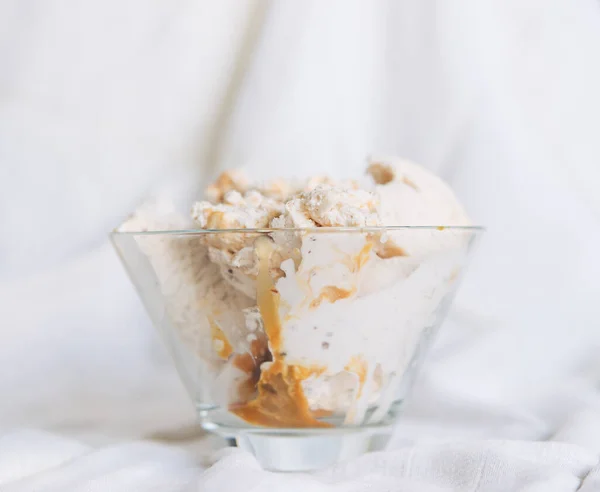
105	103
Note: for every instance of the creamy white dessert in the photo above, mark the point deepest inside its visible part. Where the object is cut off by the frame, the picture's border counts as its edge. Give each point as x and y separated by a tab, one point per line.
320	314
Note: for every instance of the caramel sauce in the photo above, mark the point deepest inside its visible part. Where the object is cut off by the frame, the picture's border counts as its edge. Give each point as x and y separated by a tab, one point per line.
251	361
390	250
384	250
361	259
296	255
222	345
320	413
356	262
216	220
267	296
250	364
280	401
358	366
331	293
410	183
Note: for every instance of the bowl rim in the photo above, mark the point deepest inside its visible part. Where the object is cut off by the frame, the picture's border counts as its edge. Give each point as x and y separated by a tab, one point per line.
311	230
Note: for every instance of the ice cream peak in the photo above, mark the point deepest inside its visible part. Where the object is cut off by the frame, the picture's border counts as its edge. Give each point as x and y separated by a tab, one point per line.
411	195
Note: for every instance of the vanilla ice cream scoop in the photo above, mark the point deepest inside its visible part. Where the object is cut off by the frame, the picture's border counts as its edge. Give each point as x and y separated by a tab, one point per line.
208	314
306	298
412	196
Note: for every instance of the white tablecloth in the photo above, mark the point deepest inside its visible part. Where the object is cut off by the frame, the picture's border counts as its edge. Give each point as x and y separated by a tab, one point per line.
105	103
570	461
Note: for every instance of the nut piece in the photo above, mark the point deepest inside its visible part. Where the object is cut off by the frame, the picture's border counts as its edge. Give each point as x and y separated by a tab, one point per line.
249	211
232	180
338	207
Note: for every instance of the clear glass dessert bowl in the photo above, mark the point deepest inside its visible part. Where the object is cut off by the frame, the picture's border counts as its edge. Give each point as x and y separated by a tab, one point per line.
301	344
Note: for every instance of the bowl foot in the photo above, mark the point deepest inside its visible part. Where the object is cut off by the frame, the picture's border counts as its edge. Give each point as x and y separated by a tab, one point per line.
300	452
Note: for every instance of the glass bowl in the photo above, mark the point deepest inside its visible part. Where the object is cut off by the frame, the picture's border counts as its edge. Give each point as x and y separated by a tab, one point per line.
301	344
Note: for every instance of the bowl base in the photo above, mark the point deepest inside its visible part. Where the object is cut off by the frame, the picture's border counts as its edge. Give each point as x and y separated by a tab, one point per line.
302	453
300	449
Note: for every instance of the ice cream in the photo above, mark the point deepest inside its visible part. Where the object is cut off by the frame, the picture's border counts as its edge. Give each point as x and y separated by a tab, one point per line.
283	304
